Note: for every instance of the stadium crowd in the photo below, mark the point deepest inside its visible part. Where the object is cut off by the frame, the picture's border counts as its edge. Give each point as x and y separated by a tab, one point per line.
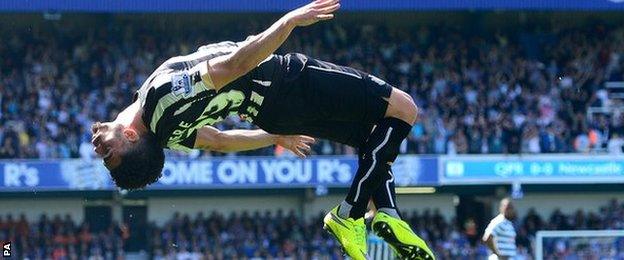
61	238
478	92
279	235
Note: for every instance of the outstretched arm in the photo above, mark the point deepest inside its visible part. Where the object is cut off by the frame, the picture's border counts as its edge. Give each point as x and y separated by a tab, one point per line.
210	138
225	69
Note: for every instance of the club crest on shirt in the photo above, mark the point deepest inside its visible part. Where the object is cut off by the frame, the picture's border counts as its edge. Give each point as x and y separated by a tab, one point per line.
181	84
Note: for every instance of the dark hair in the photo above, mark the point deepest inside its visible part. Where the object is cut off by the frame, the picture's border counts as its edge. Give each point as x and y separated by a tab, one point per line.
140	165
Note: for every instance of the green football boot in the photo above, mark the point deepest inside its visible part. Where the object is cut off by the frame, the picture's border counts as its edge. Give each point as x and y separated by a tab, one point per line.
398	234
350	233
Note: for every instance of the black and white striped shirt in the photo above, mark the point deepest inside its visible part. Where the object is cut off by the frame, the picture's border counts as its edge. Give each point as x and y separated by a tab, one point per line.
176	102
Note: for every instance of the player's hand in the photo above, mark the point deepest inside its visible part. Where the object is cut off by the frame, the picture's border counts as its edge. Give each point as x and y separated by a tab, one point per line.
311	13
298	144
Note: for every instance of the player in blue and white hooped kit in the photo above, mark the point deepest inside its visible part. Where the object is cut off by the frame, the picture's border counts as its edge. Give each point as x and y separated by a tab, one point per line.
500	234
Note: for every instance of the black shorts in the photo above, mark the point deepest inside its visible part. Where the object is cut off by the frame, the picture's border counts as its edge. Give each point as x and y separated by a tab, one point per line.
321	99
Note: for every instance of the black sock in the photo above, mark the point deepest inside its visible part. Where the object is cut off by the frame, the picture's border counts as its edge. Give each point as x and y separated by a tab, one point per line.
384	196
375	157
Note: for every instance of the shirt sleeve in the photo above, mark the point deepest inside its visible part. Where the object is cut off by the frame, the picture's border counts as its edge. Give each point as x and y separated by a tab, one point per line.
203	53
141	93
490	230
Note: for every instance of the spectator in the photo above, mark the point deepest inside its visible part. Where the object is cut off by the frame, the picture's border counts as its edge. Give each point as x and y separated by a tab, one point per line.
615	144
275	234
477	93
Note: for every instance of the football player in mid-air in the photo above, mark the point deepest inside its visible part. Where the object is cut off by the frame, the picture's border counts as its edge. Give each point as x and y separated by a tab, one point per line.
290	97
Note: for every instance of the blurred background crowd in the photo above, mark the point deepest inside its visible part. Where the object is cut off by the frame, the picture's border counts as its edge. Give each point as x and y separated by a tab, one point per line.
281	235
479	91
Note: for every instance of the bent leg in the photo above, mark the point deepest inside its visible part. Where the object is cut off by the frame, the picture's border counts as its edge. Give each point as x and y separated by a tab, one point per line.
384	197
376	156
374	176
401	106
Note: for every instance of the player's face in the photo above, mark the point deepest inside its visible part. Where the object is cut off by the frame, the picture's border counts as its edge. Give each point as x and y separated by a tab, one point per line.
109	142
510	212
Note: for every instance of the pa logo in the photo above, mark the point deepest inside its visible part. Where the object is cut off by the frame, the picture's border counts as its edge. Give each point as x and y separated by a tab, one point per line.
6	249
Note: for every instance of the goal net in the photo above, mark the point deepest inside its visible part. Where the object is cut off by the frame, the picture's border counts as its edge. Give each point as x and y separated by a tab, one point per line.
579	244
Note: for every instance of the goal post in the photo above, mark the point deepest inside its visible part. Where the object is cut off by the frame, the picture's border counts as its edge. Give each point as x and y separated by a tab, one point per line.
579	238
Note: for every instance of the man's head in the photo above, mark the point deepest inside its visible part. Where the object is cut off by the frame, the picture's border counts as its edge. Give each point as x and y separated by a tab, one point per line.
507	209
134	160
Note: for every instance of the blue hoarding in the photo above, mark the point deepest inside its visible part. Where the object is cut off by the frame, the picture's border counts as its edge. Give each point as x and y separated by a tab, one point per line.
531	169
221	173
280	5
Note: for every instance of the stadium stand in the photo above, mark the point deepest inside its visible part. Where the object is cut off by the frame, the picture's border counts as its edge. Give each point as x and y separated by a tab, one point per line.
280	235
528	83
480	92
